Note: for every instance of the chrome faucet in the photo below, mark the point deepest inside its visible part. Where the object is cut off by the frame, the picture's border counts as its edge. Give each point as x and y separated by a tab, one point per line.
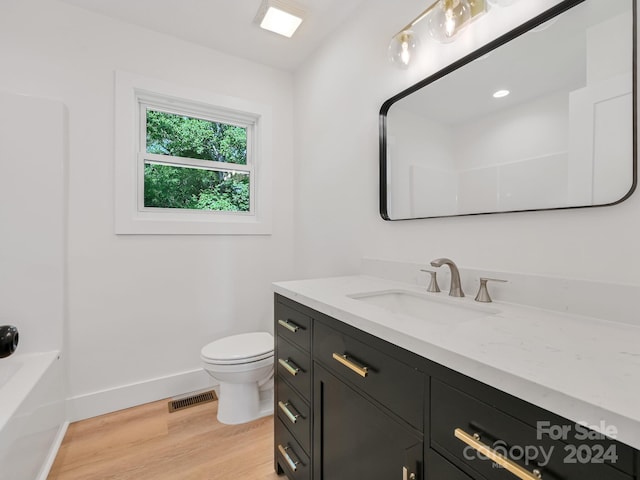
456	289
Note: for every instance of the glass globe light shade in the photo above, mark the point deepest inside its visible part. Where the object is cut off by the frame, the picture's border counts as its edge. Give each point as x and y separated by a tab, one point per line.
403	48
447	19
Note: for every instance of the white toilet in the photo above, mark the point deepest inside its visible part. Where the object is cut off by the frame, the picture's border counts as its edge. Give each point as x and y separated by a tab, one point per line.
243	365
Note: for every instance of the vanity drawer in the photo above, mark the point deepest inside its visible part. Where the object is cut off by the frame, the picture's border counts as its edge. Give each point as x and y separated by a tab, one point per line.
439	468
295	414
392	383
294	366
457	417
290	455
293	325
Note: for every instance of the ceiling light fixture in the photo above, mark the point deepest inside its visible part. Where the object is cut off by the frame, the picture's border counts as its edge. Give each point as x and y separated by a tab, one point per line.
279	16
501	93
445	20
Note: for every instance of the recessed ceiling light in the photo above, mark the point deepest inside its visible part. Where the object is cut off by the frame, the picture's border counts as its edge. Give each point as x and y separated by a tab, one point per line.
501	93
280	17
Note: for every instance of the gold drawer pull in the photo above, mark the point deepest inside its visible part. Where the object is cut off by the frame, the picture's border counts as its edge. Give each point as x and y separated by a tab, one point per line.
289	366
474	442
406	475
350	364
286	408
292	327
285	453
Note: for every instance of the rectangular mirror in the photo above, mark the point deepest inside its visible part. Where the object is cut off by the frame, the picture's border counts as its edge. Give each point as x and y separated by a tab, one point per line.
563	137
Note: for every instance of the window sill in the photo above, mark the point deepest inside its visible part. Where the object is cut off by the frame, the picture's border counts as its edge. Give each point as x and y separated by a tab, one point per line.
191	223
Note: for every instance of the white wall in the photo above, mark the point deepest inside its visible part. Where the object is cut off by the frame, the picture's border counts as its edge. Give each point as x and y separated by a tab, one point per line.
33	145
606	96
141	307
422	173
338	94
505	136
491	165
501	151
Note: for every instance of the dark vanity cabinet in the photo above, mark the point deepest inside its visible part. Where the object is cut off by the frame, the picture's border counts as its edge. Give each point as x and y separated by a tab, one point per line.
293	392
368	408
350	405
353	405
355	438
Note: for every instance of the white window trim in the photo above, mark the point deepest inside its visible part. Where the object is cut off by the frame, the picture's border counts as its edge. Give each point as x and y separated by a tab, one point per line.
131	217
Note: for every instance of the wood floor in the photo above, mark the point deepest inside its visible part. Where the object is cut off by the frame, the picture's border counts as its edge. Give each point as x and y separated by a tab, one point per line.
147	442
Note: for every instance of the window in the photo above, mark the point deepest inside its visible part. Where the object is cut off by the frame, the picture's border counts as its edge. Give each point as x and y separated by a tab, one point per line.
193	163
189	162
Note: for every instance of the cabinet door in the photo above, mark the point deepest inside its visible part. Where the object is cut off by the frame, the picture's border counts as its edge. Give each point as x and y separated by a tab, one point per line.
354	438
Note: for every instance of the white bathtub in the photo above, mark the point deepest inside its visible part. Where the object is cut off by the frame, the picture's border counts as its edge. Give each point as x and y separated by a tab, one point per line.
32	414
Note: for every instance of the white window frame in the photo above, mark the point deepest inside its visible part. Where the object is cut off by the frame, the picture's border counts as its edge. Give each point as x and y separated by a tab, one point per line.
133	95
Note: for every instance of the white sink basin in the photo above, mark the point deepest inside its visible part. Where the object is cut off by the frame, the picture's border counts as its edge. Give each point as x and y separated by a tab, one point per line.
426	306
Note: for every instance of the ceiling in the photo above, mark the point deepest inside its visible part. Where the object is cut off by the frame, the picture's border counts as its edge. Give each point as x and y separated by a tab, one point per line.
227	25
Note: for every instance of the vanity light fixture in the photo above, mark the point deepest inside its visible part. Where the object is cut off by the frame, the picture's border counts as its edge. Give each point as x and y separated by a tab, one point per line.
445	20
403	47
501	93
281	17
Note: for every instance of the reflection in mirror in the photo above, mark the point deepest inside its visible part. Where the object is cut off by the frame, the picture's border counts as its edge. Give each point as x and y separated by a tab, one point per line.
543	121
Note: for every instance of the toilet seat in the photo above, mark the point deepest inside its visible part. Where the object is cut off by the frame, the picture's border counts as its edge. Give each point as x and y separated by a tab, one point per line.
238	349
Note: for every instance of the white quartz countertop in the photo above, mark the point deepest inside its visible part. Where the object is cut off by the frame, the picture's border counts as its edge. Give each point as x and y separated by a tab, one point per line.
582	368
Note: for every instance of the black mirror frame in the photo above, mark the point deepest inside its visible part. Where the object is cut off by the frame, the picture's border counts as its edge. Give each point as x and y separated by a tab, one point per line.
507	37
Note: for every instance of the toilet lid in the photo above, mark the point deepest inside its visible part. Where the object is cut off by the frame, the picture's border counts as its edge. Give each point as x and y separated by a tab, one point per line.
243	348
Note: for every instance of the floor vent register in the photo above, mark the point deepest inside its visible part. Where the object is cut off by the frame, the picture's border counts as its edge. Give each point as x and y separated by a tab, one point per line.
180	403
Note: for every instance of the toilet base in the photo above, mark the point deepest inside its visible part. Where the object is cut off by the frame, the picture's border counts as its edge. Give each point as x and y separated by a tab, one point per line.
242	403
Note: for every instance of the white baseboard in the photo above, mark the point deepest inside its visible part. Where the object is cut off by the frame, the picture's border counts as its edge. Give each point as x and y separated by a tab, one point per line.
106	401
51	457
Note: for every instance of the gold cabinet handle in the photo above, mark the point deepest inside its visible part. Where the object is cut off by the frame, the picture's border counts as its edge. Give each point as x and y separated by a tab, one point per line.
474	442
350	364
406	475
289	366
284	451
292	327
286	408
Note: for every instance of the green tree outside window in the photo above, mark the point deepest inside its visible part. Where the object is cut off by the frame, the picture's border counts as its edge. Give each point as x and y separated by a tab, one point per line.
170	186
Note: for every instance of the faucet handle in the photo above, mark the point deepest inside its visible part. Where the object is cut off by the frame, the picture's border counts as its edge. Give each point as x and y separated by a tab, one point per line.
483	293
433	284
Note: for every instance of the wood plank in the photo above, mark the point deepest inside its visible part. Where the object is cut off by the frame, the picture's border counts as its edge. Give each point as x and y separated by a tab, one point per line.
147	442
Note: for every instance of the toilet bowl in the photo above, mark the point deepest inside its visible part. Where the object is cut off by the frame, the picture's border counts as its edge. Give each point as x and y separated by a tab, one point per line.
243	366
